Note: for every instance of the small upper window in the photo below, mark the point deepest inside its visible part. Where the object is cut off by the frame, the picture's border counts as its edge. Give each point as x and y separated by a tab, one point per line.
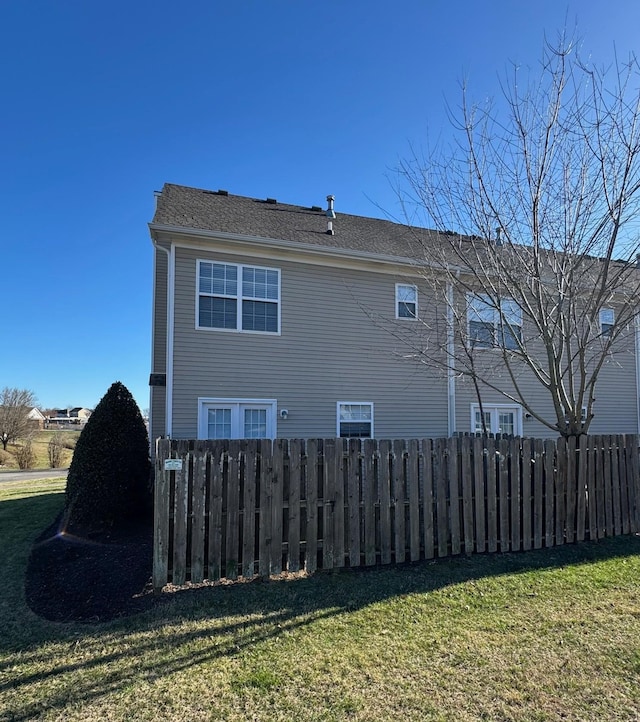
355	420
491	324
406	301
238	297
607	321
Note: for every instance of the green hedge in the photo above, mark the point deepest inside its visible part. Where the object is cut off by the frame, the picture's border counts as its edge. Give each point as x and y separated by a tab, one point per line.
109	480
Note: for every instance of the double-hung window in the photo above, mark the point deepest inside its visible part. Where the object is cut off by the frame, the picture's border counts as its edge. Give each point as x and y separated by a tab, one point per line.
406	300
607	321
493	325
355	419
238	297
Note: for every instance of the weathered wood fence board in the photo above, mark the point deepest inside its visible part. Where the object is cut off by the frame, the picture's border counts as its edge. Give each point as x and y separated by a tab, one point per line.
225	509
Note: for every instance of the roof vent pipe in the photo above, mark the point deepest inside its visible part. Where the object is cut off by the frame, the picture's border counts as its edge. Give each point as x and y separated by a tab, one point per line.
331	214
498	236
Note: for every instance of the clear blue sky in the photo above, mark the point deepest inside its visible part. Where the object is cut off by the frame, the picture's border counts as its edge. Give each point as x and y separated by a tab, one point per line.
102	102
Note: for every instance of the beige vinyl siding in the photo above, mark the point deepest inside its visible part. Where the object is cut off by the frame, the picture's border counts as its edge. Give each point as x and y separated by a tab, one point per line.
159	345
616	405
336	344
615	408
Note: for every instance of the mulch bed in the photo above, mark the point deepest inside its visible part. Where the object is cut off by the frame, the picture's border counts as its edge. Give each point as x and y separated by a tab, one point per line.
91	576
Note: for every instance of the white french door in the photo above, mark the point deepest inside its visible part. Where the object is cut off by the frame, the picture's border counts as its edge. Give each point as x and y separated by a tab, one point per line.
237	419
498	419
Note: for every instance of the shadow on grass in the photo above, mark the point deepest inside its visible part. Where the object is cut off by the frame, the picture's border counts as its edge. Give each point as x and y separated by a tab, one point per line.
188	628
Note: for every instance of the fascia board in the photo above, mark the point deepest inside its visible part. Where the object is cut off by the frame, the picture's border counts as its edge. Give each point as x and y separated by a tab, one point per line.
288	246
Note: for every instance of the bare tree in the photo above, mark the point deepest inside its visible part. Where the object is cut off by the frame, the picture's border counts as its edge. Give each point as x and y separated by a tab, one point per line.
15	405
543	195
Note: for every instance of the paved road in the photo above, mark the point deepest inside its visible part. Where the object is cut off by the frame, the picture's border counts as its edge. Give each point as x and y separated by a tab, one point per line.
32	474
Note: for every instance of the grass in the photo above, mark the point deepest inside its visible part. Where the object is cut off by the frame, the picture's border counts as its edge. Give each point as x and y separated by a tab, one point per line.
40	442
545	635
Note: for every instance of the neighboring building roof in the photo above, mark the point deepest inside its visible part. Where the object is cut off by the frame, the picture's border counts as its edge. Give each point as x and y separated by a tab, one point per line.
35	413
215	211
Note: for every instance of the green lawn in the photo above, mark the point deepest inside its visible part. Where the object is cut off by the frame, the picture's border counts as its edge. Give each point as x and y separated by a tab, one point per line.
538	636
40	442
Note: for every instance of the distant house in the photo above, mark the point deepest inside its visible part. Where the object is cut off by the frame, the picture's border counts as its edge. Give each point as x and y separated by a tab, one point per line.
80	413
36	418
62	418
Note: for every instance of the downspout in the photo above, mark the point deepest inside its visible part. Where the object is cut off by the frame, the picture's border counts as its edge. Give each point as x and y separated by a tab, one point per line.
451	365
637	335
171	264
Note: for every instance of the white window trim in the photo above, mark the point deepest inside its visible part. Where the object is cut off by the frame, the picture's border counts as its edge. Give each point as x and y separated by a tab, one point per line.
205	401
354	403
517	418
406	318
496	322
239	297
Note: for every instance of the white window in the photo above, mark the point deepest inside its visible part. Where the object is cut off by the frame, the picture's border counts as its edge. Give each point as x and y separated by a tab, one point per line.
498	418
355	419
607	320
236	418
492	325
406	301
237	297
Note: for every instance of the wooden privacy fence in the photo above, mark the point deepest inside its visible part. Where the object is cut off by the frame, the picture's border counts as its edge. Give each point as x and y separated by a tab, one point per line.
225	509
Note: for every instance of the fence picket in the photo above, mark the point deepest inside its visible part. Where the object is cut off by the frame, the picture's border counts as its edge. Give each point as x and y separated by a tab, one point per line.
161	516
503	492
427	498
369	450
413	495
560	486
592	521
492	495
353	497
454	493
515	491
329	477
265	515
477	450
232	555
550	460
467	494
198	524
311	494
581	488
384	494
440	487
249	508
280	451
525	480
181	515
339	508
398	500
571	490
538	492
615	486
296	480
624	493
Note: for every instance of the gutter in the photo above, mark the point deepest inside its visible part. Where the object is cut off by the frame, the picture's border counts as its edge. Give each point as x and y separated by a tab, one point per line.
637	349
306	248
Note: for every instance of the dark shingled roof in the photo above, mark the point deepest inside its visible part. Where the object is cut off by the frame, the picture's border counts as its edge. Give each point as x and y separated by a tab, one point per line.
194	208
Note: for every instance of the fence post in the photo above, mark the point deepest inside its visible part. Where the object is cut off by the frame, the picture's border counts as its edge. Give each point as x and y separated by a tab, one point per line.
161	516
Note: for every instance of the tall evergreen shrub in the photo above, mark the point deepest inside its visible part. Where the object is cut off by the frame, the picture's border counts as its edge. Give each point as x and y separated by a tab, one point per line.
109	477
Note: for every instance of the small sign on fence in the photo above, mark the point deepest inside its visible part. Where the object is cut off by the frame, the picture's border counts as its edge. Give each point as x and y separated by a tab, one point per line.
173	464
